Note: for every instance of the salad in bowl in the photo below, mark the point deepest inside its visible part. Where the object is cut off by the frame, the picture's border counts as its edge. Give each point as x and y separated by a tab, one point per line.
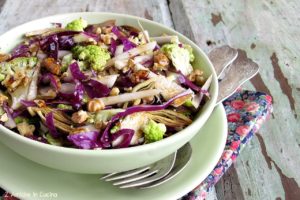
99	86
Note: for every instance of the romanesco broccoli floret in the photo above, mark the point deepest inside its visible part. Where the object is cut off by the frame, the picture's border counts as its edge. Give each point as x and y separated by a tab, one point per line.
94	55
154	131
180	56
77	25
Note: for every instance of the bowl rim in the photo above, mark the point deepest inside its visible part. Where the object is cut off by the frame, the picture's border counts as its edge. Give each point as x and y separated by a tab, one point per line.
109	152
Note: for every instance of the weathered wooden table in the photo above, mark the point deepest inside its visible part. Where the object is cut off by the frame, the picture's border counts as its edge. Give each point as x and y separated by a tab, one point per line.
267	30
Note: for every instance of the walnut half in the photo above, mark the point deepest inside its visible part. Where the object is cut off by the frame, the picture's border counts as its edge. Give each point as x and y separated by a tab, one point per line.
139	75
79	117
95	105
51	65
161	61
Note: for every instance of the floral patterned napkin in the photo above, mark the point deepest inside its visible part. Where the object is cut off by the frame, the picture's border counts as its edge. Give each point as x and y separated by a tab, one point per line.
246	112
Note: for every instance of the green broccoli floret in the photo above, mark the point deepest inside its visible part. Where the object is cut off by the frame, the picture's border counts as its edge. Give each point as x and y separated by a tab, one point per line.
77	25
180	56
94	55
154	131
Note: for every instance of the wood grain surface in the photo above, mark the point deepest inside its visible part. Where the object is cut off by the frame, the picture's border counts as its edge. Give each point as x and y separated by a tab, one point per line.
268	31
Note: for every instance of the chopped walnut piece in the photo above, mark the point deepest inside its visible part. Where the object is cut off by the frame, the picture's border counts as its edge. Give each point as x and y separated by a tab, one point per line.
95	105
114	91
98	30
9	79
25	129
200	80
130	65
4	57
139	75
51	65
18	79
12	82
58	82
161	61
79	117
106	38
194	75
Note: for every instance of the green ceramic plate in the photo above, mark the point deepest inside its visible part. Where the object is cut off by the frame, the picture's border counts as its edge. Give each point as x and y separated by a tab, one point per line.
33	181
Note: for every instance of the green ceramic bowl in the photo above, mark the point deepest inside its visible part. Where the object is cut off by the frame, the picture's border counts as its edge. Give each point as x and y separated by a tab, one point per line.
105	161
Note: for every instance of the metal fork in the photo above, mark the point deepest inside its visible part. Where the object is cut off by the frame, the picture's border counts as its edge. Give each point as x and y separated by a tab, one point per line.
154	174
222	57
182	159
241	70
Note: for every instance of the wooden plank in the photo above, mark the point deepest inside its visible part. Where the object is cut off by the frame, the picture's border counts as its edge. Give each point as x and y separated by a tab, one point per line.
229	186
267	31
16	12
256	179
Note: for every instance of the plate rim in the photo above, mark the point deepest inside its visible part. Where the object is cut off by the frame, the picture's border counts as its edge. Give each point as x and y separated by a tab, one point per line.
197	179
